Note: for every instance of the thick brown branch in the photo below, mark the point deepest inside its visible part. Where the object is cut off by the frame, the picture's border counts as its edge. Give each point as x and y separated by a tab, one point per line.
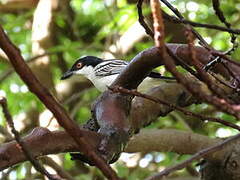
174	107
131	78
43	142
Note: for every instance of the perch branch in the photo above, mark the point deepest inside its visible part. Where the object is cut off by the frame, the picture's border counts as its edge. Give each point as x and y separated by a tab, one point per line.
43	142
174	107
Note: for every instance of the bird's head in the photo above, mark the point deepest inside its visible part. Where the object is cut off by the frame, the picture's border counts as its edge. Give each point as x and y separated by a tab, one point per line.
82	66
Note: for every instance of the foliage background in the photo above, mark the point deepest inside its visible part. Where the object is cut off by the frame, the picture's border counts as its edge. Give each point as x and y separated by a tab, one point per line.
90	27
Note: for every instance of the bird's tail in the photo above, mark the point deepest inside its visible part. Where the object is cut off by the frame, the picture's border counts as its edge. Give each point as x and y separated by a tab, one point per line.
156	75
149	83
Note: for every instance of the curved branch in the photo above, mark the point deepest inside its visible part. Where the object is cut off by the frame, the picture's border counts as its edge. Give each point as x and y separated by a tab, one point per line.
171	141
111	111
43	142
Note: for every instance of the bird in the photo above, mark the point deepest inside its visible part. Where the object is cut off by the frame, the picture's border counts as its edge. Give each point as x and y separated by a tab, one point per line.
102	73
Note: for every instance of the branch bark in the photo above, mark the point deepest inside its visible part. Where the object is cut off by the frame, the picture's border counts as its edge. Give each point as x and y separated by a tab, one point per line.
43	142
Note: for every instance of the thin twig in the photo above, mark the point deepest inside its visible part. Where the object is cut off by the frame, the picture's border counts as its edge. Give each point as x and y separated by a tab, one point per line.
150	33
219	13
201	39
210	65
235	76
182	63
59	169
227	84
200	25
203	42
8	72
221	17
223	55
22	147
8	136
181	17
141	19
172	106
199	67
196	156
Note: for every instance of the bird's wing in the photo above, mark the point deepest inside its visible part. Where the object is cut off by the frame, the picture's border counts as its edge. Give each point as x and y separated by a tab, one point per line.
110	67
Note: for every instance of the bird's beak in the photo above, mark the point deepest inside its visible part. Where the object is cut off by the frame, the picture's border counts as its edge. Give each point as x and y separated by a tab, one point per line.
67	74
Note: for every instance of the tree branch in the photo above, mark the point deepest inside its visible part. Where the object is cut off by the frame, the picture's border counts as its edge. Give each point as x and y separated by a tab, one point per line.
43	142
174	107
200	25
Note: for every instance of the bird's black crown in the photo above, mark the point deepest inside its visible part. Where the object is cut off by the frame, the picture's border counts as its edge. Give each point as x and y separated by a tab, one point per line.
80	63
88	61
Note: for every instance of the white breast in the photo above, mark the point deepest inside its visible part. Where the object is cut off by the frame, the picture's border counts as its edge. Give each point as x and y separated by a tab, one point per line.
101	83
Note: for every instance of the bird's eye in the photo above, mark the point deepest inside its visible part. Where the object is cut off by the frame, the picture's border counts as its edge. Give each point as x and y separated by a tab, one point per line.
79	65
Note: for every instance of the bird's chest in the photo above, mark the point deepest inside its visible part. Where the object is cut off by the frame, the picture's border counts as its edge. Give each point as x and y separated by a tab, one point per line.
101	83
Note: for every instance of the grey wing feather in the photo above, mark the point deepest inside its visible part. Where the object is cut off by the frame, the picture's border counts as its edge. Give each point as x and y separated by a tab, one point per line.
110	67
